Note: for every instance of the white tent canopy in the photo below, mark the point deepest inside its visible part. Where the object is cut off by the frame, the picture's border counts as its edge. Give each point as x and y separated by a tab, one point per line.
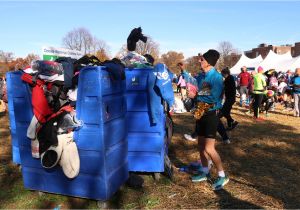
245	61
295	64
275	61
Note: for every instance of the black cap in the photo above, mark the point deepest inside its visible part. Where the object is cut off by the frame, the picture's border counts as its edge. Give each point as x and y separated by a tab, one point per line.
211	56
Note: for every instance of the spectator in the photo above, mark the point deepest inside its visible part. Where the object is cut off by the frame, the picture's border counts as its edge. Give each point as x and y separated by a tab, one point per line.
259	88
229	90
295	82
243	81
2	84
182	80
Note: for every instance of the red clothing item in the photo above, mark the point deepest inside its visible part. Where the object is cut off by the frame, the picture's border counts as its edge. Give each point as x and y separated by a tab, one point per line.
244	78
41	108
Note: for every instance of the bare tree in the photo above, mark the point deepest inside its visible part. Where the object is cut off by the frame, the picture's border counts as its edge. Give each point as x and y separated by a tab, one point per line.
122	52
150	47
82	40
225	48
171	59
6	56
192	64
30	57
78	39
100	49
227	51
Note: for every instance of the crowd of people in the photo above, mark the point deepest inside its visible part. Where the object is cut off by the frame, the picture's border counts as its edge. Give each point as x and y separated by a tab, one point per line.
216	94
260	91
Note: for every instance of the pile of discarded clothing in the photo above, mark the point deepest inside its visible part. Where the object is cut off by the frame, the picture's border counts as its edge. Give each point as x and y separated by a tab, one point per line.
133	59
54	94
51	128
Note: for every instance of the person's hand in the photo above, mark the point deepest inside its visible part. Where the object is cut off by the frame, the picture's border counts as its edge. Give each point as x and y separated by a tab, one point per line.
171	111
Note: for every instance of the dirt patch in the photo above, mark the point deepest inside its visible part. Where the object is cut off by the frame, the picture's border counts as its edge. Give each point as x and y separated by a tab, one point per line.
262	162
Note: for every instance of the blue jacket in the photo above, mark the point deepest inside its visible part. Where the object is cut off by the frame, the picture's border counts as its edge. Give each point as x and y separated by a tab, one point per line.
296	81
210	88
185	74
159	86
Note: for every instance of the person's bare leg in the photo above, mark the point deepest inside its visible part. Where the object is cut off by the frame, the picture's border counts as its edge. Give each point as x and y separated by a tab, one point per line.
201	148
211	151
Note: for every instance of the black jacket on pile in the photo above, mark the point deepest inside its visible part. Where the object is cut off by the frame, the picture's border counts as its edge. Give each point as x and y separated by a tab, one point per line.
134	36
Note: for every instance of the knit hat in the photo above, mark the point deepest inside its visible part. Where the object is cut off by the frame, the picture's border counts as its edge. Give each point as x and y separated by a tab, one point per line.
211	56
260	69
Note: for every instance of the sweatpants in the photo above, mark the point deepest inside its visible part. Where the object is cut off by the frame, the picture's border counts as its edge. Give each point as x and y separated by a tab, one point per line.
226	109
257	102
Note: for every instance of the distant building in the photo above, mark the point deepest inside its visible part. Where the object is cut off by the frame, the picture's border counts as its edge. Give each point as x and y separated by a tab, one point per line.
296	49
263	50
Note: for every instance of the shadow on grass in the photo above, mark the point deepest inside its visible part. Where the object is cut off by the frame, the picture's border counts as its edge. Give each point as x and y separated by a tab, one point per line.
227	201
268	155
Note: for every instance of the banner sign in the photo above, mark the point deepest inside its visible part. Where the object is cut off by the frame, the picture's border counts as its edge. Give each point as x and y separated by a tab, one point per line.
51	53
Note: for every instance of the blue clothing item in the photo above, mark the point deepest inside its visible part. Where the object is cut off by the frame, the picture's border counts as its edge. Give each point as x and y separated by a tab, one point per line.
210	86
199	77
296	81
171	75
159	86
185	74
189	79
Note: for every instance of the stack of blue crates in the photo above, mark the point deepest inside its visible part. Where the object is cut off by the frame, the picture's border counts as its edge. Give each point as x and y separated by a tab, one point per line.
101	142
12	121
146	141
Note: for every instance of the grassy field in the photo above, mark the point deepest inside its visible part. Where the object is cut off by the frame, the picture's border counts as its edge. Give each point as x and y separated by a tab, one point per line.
262	162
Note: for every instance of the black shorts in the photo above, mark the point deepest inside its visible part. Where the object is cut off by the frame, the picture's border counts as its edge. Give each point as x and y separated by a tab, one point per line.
207	125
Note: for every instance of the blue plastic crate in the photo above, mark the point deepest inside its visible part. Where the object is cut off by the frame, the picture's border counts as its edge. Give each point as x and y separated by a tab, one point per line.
146	141
101	142
15	93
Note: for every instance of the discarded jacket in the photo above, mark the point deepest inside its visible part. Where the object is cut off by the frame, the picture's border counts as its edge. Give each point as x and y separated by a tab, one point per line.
159	86
47	68
115	69
134	36
68	67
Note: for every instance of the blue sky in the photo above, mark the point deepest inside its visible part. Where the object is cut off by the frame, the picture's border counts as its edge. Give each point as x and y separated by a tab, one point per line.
184	26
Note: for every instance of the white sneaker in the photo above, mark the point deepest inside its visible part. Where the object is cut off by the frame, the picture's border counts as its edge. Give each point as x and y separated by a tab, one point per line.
210	164
189	137
227	141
